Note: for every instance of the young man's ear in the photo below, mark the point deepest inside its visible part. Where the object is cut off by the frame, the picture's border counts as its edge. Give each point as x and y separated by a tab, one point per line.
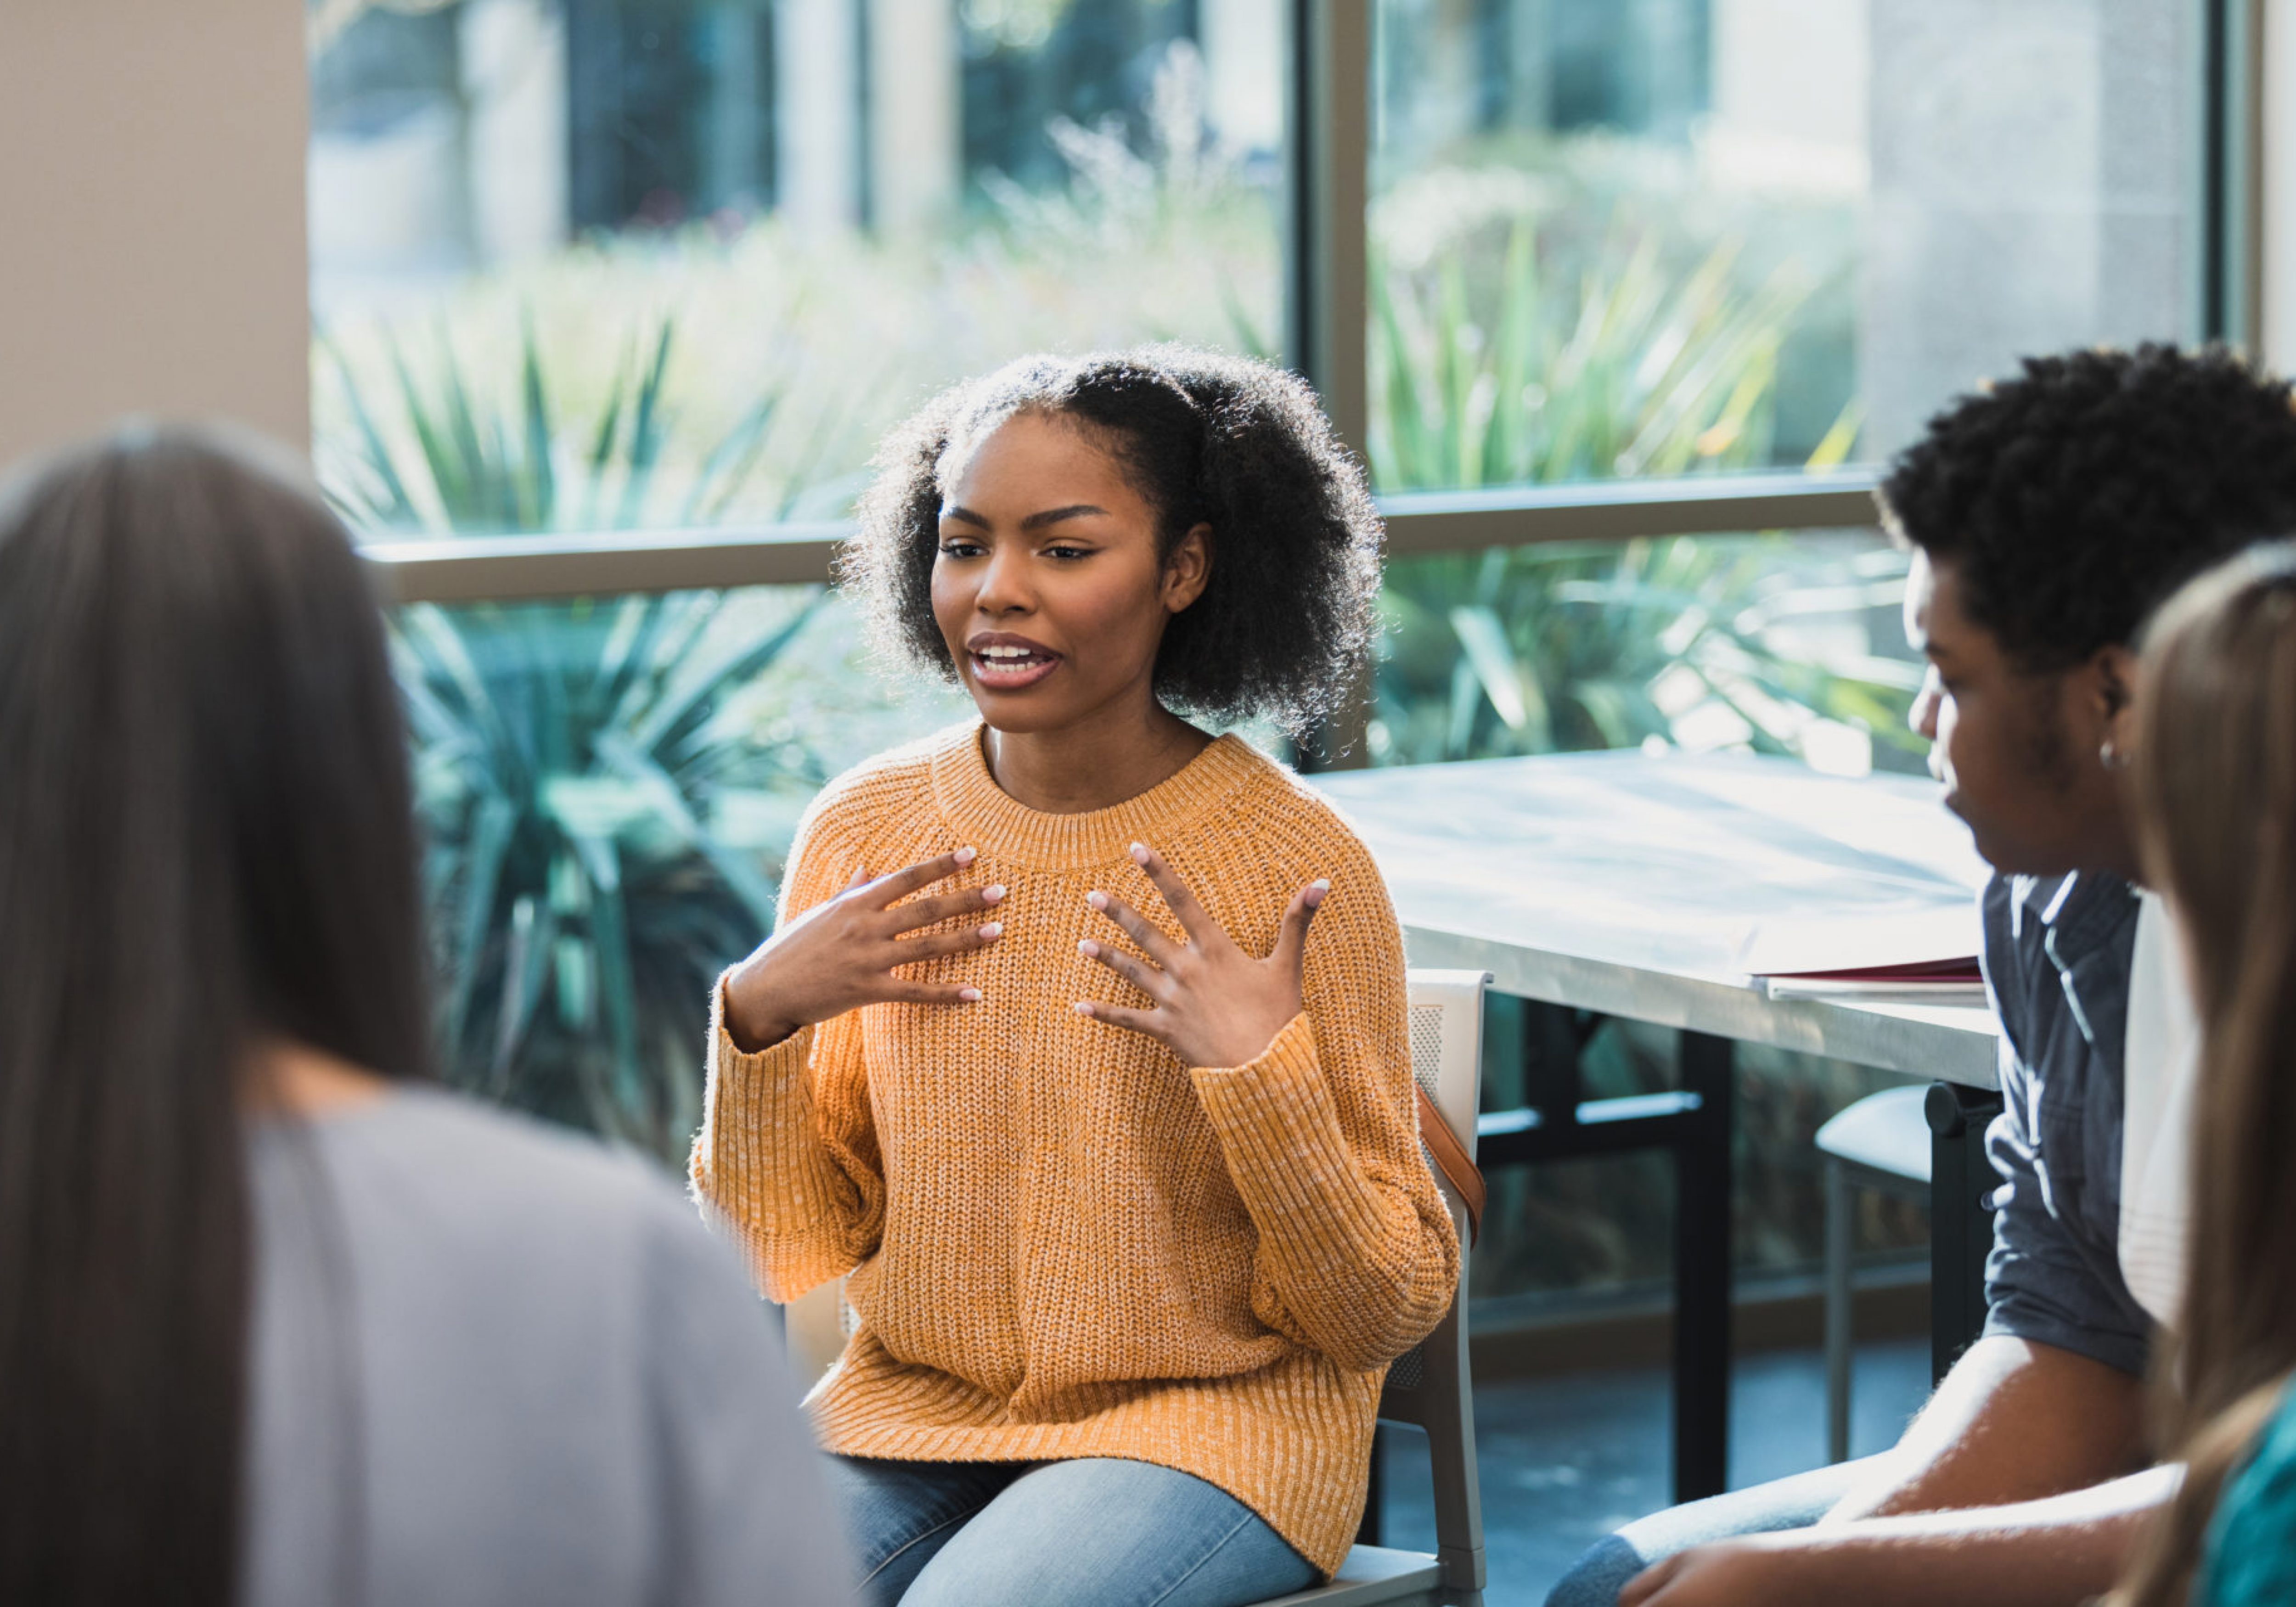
1189	570
2113	677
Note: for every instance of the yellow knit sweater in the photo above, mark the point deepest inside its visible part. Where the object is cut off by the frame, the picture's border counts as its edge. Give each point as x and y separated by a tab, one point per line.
1064	1242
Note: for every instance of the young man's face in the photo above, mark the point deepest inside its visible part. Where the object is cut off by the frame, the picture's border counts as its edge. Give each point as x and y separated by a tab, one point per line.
2017	752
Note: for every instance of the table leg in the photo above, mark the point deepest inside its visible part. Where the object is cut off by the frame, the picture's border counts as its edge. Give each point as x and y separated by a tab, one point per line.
1962	1181
1702	1273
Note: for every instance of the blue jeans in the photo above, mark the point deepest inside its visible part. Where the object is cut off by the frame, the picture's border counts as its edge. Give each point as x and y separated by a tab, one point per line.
1595	1578
1096	1532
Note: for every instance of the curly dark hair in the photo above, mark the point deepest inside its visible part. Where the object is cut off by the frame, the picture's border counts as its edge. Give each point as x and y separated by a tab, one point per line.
1283	629
2075	499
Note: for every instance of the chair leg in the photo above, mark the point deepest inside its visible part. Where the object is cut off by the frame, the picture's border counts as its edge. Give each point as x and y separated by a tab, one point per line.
1838	1306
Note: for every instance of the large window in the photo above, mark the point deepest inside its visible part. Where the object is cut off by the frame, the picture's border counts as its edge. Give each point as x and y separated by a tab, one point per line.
619	264
1622	301
1676	236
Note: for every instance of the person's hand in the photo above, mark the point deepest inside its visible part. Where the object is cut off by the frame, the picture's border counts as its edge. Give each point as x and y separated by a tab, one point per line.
1215	1004
841	953
1759	1571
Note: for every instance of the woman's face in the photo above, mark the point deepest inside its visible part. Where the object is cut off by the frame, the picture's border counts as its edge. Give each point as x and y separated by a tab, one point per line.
1047	586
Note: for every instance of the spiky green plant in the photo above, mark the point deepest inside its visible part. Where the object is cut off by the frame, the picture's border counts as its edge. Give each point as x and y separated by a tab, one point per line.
594	807
1487	374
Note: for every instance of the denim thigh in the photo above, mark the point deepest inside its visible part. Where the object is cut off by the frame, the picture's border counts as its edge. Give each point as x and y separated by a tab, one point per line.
1595	1578
1102	1532
899	1514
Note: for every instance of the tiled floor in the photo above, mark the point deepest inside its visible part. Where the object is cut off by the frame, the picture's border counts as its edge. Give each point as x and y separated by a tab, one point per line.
1566	1460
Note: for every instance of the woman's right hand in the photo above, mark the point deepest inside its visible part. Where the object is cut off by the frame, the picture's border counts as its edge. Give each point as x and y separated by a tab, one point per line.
841	953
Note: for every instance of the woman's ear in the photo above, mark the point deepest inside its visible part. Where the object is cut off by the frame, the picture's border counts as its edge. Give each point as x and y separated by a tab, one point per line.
1189	570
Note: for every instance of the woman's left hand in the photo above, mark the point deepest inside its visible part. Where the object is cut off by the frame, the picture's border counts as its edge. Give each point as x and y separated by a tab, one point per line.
1215	1004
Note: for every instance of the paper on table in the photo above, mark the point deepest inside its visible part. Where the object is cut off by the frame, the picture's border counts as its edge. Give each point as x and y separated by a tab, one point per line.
1955	991
1896	942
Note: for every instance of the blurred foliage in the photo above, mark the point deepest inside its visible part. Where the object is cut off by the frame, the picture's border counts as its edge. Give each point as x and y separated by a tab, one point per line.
604	825
1500	372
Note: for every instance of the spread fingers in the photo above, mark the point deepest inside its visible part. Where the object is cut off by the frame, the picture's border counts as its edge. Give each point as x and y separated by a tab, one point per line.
908	951
945	907
1135	926
1146	977
1148	1023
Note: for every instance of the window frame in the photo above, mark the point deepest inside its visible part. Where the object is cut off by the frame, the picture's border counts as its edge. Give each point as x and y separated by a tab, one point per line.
1325	272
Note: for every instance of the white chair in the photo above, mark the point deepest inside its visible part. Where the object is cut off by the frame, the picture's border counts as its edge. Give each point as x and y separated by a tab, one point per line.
1429	1387
1881	1142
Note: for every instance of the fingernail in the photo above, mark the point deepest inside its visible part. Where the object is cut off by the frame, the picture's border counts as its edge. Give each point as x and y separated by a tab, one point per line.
1098	900
1140	853
1315	895
1083	1008
1321	885
995	929
967	855
993	892
1089	949
971	995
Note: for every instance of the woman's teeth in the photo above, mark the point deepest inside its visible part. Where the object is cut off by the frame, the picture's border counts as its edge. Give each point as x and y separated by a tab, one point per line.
1012	663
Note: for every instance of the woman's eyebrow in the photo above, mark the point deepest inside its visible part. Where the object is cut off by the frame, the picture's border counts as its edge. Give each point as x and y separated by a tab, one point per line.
1034	522
1078	510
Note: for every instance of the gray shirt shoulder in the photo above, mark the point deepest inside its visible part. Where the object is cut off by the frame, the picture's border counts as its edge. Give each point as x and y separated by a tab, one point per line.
2057	957
495	1364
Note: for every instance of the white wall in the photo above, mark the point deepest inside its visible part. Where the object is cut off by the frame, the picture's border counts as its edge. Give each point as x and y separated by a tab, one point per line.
154	258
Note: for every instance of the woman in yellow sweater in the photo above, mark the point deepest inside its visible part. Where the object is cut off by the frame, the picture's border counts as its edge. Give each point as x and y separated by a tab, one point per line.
1081	1039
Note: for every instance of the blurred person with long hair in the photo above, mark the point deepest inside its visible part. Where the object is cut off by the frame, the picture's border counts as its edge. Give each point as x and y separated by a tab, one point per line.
282	1323
2214	778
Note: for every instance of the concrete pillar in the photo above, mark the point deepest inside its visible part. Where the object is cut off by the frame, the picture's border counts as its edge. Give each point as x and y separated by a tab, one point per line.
733	141
2031	190
514	87
1242	42
155	261
916	127
817	112
1790	91
2278	181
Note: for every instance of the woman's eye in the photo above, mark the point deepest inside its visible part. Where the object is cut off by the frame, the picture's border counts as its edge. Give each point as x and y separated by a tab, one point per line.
959	549
1068	551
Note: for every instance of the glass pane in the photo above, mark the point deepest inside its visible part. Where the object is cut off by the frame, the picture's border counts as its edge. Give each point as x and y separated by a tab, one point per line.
599	264
609	789
1786	645
1675	236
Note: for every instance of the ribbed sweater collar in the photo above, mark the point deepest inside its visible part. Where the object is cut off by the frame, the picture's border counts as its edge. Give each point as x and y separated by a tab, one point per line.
986	817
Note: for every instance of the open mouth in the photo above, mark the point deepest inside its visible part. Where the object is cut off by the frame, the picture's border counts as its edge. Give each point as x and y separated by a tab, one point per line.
1007	667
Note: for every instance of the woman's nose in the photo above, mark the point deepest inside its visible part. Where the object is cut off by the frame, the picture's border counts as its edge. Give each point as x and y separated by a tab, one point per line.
1004	587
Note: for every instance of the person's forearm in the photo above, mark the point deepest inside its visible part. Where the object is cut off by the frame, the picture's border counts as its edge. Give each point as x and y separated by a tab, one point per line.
2014	1422
2061	1550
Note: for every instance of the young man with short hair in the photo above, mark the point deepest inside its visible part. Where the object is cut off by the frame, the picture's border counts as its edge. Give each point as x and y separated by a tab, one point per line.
2048	516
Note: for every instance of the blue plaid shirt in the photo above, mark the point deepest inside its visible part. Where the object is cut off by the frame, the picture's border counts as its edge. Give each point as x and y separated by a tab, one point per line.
2056	961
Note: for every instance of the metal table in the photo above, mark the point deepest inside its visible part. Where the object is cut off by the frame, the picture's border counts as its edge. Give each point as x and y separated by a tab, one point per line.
1627	885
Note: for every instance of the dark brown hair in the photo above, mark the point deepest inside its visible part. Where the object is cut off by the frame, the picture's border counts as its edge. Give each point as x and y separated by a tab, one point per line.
205	841
1285	626
2215	782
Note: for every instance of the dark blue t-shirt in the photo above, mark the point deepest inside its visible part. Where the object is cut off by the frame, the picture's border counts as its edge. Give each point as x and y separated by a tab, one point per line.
2057	953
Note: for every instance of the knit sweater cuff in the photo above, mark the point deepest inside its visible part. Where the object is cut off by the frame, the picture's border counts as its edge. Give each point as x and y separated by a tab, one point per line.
758	1159
1280	1131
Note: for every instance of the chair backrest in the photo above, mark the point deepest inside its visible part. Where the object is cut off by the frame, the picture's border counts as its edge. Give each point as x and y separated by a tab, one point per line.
1430	1386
